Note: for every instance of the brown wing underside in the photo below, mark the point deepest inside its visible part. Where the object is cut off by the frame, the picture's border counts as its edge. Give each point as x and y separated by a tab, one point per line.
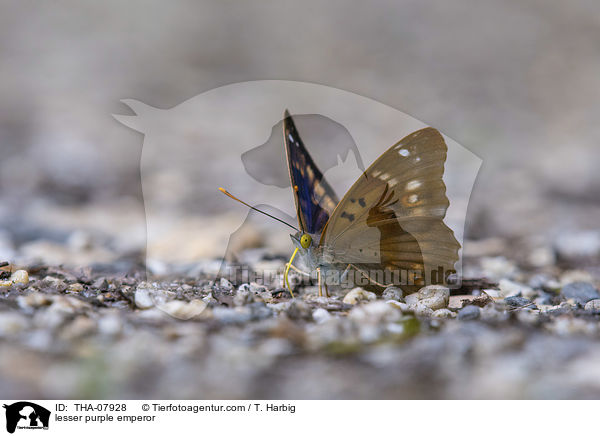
391	220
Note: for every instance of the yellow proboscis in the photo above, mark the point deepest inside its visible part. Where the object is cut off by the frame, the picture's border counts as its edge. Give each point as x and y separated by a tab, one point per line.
287	270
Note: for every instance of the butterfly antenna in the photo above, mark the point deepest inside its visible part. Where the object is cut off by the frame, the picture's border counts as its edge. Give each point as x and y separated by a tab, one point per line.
230	195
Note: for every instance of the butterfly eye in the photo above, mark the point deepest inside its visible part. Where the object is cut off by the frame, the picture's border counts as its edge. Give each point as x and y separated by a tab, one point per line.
305	240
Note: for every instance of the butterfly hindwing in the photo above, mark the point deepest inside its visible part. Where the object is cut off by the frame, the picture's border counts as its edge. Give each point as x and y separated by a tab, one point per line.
315	199
392	217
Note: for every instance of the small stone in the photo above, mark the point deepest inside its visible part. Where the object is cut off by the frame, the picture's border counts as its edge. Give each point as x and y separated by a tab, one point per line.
243	296
508	288
498	267
374	312
593	305
443	313
143	299
110	324
81	326
20	276
573	246
575	275
469	313
259	310
321	315
434	297
54	283
12	323
298	310
518	302
392	293
33	300
225	284
581	292
357	295
75	288
182	309
226	315
101	284
421	310
541	257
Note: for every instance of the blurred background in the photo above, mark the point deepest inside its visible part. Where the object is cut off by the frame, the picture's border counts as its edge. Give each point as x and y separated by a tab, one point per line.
516	82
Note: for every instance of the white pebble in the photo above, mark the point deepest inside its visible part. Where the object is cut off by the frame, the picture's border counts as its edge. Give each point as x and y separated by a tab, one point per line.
143	299
593	305
433	297
508	288
20	276
321	315
358	294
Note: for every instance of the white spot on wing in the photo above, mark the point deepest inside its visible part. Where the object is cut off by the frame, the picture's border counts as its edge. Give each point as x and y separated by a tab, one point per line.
413	198
403	152
413	184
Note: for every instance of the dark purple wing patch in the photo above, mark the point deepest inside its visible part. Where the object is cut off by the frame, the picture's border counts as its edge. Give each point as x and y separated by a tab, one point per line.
315	199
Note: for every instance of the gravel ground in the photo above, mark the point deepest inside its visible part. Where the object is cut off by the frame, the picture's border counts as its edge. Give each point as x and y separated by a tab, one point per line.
511	331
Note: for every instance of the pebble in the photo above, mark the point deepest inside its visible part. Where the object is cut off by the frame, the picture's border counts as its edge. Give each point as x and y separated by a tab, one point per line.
226	315
374	312
573	246
33	300
20	276
12	323
433	297
393	293
593	305
581	292
81	326
469	313
508	288
75	288
357	295
184	310
101	284
321	315
143	299
54	283
443	313
498	267
225	284
110	324
259	310
243	296
518	302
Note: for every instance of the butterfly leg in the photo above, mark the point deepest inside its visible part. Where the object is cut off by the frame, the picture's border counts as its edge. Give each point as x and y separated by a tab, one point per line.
320	282
298	270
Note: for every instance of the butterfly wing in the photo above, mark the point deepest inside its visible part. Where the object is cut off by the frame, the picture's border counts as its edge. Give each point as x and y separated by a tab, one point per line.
315	199
391	219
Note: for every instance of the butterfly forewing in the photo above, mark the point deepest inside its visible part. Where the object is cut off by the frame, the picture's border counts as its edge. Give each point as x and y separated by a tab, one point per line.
391	219
315	199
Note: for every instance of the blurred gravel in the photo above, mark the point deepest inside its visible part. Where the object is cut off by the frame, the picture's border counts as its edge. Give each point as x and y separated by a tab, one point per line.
102	333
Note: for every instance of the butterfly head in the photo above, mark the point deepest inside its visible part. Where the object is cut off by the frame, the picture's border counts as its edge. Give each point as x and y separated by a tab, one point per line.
302	241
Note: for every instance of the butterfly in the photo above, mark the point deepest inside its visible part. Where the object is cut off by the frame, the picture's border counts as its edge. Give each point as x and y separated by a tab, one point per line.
387	230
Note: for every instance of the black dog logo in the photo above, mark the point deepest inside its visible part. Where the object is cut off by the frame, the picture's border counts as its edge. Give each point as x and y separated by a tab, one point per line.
26	415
